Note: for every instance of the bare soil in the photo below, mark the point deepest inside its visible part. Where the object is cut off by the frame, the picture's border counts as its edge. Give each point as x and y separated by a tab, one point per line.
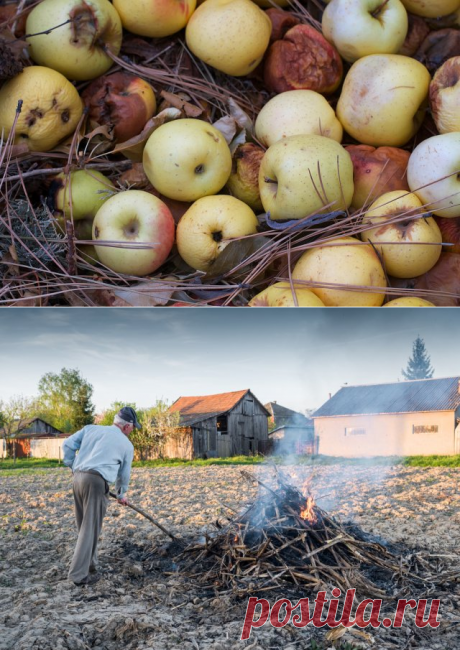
141	602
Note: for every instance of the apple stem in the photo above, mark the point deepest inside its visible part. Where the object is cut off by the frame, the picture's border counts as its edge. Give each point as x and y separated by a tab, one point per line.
376	11
270	180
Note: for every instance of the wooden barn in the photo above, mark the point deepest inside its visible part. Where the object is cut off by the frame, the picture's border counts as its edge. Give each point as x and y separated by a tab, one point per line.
32	437
218	426
404	418
281	416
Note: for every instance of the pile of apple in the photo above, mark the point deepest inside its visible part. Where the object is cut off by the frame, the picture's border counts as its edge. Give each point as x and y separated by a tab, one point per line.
387	200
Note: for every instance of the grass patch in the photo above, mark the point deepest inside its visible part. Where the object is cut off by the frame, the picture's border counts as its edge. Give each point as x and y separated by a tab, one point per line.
24	465
432	461
199	462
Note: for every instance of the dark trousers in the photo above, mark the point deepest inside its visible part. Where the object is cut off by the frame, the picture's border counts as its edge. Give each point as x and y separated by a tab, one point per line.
90	492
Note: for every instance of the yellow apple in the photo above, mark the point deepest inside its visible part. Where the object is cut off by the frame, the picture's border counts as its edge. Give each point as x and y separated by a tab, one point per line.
433	174
137	218
157	18
401	243
268	4
209	225
383	99
303	174
280	295
84	190
344	261
50	111
431	8
297	112
409	302
77	49
187	159
229	35
358	28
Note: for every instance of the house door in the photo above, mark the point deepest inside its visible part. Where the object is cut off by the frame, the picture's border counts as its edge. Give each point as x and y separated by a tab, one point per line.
457	439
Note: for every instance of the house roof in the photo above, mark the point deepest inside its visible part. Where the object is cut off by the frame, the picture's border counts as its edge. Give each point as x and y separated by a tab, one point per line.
280	411
196	409
19	425
308	427
399	397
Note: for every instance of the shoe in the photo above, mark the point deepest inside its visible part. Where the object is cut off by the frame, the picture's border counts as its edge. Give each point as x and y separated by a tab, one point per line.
93	569
89	580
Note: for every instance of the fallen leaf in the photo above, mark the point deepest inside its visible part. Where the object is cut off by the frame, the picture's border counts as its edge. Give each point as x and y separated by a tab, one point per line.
182	104
227	126
152	293
241	118
134	147
234	253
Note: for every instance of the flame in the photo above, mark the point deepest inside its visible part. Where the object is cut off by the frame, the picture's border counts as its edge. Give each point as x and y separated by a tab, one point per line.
307	511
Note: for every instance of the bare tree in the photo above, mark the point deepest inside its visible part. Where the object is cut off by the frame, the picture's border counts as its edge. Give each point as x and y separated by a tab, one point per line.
13	415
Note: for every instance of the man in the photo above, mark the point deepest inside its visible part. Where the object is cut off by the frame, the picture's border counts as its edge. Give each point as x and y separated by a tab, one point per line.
104	456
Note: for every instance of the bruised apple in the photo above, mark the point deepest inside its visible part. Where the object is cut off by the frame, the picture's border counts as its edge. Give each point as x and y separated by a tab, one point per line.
294	113
50	112
77	49
280	294
140	221
383	99
122	102
410	246
344	261
376	171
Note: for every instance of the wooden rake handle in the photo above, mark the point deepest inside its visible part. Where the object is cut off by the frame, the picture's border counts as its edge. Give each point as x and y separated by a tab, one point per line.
147	516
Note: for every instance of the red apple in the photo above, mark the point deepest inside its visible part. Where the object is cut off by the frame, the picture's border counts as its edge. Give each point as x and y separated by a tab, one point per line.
450	231
121	101
377	171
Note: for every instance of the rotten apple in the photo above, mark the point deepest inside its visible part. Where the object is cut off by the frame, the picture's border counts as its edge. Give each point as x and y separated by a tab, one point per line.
121	101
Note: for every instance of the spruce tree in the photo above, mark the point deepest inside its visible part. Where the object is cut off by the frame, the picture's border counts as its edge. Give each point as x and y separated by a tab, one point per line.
419	364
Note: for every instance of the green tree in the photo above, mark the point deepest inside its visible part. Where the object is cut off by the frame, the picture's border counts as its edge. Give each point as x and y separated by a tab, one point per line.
419	364
65	400
13	415
106	417
158	425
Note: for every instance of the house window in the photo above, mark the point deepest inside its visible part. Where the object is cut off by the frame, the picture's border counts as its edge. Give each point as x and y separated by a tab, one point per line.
424	428
222	425
354	431
248	407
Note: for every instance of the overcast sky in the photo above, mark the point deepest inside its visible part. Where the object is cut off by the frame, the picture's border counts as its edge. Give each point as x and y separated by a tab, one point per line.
294	356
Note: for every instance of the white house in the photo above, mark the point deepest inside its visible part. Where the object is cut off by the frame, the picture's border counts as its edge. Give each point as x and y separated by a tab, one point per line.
400	419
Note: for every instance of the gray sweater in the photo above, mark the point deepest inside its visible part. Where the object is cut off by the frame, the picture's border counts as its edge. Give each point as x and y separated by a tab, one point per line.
104	449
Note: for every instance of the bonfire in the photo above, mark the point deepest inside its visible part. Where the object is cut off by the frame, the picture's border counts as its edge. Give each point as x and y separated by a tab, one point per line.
285	537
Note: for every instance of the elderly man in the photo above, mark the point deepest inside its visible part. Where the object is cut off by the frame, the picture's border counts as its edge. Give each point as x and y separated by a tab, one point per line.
104	456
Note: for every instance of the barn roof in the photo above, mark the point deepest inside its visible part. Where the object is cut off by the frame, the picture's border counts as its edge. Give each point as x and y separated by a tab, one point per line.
399	397
282	412
196	409
19	425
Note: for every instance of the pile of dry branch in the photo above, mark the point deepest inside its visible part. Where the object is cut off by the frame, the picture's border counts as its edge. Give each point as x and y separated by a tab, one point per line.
284	536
